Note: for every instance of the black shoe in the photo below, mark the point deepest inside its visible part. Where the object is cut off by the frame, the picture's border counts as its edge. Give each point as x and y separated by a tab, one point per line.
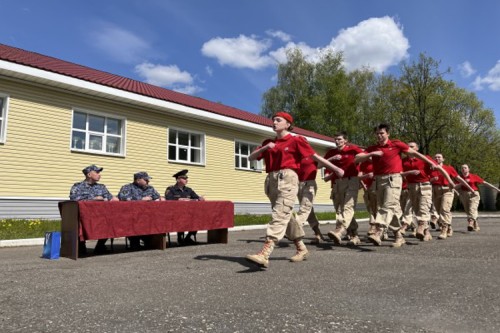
82	249
102	249
189	241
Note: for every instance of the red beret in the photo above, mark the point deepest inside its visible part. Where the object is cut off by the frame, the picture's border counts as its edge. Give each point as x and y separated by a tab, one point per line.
285	115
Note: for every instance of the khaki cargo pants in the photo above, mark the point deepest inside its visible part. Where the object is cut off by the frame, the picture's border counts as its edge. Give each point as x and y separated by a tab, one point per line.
307	192
345	198
389	211
442	197
281	188
421	200
470	200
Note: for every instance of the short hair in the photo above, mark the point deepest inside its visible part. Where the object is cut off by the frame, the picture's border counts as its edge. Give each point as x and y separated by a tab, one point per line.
381	127
342	134
415	142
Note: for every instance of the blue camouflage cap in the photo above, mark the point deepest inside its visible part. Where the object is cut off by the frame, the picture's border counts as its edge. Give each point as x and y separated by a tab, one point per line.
90	168
142	175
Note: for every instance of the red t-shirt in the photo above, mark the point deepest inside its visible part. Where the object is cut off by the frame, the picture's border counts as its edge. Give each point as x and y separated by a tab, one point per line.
287	153
308	169
366	167
346	162
441	181
472	180
413	163
390	162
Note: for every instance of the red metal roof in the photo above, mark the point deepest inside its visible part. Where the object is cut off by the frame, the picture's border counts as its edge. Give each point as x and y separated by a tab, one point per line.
50	64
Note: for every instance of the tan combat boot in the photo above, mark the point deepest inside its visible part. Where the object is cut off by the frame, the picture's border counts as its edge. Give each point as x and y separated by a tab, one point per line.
262	258
317	236
301	253
376	237
476	226
421	230
450	231
444	231
470	226
433	222
372	229
427	235
354	240
338	234
404	226
399	240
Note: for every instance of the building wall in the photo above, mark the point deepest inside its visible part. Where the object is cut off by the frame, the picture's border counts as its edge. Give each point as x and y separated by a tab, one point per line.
37	162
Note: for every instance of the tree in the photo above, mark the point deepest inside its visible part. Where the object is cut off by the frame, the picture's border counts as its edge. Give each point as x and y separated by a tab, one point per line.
321	97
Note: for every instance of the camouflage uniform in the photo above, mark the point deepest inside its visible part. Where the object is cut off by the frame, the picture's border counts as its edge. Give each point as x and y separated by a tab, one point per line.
85	191
133	191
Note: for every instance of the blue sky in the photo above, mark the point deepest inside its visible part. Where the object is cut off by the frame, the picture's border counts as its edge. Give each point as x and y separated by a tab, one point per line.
227	50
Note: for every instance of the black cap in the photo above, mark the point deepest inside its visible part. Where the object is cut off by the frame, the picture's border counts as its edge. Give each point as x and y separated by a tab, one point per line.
182	173
90	168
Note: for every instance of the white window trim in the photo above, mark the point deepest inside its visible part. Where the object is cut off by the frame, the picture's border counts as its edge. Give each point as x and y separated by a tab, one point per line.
203	146
3	129
259	163
100	114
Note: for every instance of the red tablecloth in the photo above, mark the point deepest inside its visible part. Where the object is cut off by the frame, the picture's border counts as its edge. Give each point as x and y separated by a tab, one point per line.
100	219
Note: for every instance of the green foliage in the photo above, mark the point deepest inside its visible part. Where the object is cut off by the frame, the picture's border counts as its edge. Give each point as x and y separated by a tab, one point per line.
20	229
419	104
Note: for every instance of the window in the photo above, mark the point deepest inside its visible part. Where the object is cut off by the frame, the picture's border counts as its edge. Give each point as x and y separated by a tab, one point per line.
97	133
3	116
241	152
187	147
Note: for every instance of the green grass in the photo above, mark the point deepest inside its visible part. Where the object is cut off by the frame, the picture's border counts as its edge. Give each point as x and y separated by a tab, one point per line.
21	229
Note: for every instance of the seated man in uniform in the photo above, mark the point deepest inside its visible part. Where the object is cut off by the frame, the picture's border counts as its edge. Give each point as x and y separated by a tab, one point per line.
139	190
89	189
180	191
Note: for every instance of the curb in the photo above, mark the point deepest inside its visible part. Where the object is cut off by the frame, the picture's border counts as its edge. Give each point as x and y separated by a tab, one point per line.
40	241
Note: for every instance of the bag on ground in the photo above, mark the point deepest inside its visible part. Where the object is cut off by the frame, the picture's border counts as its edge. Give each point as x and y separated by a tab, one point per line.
52	245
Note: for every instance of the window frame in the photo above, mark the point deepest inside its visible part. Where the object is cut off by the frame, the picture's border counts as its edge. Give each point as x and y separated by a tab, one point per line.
203	142
103	134
258	163
3	117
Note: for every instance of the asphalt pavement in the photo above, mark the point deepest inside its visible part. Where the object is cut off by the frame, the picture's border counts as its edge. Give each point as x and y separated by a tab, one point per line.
450	285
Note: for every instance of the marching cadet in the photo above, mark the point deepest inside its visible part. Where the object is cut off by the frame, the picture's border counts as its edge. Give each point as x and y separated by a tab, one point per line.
283	156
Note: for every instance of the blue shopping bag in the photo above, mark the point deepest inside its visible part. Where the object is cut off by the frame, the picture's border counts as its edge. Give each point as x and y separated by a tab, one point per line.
52	245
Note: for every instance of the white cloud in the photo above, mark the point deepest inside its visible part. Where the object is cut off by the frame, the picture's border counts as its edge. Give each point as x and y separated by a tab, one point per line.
491	81
189	90
240	52
122	45
311	54
280	35
377	43
466	69
167	76
209	70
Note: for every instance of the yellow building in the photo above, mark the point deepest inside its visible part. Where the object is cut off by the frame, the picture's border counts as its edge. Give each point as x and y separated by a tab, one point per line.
58	117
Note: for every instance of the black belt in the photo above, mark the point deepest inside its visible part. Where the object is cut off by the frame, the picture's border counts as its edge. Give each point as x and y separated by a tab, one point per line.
425	183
